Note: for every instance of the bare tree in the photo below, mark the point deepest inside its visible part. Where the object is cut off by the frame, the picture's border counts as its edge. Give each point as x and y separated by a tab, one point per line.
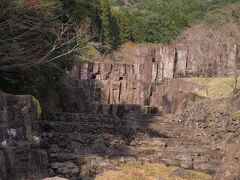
214	42
29	38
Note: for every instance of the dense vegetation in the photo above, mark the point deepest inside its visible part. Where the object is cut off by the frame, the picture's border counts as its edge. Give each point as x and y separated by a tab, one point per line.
159	20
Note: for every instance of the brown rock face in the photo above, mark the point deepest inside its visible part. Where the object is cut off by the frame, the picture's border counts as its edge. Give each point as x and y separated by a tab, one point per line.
102	87
137	85
19	157
188	58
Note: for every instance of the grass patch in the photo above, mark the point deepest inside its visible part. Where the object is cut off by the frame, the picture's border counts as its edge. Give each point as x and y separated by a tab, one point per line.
236	114
214	87
148	171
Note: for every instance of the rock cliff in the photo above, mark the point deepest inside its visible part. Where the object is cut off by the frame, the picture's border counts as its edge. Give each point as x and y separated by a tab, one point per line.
20	157
141	80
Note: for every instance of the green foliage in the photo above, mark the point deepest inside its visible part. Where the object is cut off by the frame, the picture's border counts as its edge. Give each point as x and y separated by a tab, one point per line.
105	16
160	20
81	9
100	16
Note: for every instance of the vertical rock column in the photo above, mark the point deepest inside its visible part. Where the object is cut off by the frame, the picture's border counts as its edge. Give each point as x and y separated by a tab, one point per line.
20	157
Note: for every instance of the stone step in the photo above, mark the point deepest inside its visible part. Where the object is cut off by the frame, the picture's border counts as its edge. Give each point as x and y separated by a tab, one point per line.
81	118
75	117
99	140
86	122
78	140
185	159
83	128
180	151
166	142
63	164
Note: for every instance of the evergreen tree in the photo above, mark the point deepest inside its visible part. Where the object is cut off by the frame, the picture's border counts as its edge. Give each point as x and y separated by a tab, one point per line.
106	19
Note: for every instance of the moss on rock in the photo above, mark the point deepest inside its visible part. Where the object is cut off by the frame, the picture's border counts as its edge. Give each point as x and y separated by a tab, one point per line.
37	106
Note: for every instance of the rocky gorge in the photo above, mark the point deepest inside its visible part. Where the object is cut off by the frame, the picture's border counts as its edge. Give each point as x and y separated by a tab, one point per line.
120	112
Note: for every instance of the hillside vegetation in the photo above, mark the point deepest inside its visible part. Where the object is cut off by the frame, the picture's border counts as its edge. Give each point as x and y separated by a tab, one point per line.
160	20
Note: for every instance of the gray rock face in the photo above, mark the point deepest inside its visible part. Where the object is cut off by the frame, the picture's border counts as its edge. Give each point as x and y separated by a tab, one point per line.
18	120
20	158
23	163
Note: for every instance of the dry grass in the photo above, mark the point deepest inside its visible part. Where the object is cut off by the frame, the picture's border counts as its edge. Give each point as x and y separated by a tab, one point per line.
214	87
148	171
128	45
91	53
236	114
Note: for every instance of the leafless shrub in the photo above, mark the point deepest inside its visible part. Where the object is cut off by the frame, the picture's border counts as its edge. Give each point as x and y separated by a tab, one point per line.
214	42
235	85
29	38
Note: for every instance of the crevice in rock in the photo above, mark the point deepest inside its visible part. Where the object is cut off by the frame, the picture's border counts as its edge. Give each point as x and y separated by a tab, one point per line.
94	76
187	63
156	77
110	72
175	62
109	96
120	93
238	56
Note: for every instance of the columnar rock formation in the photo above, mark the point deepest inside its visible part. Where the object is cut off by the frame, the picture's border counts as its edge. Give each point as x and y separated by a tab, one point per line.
20	158
139	82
